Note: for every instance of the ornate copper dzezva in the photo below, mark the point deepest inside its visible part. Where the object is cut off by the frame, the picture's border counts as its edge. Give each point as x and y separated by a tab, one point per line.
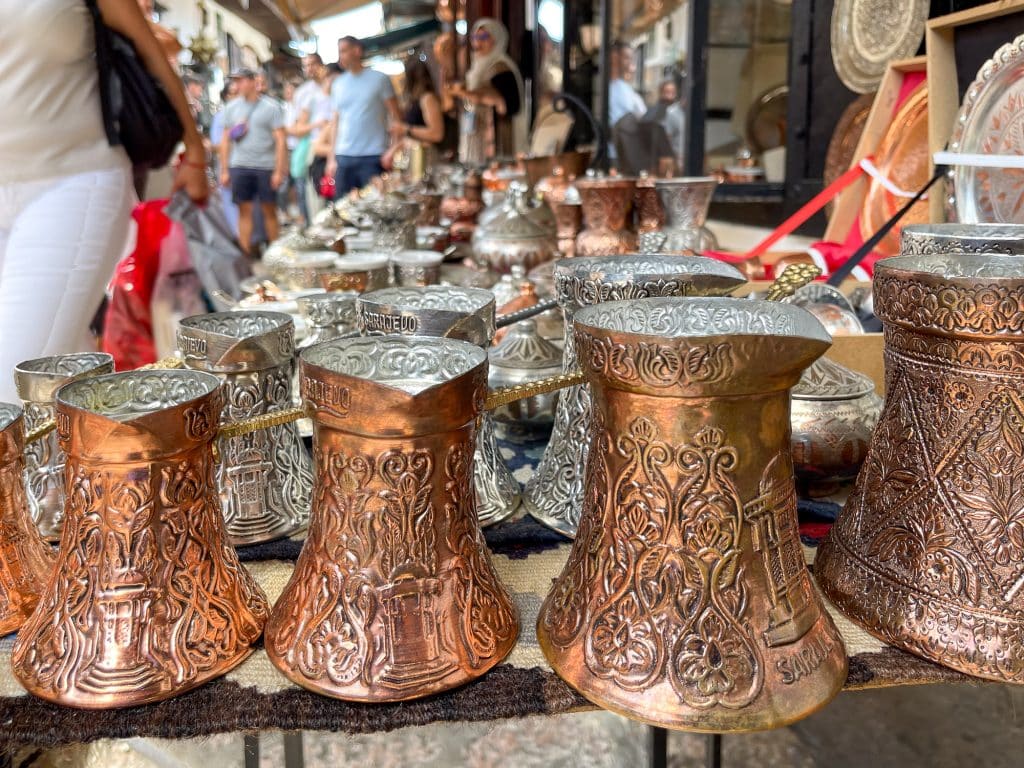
607	211
25	560
394	596
685	601
928	553
147	599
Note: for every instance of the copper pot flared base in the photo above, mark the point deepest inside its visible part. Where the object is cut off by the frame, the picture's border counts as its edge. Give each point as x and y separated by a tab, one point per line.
918	623
813	654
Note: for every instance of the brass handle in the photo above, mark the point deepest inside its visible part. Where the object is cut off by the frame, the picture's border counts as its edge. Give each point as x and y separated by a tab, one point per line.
793	278
505	395
525	314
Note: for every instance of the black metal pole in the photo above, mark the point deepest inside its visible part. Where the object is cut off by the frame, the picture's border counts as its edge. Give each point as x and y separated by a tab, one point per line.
697	88
713	750
604	72
659	747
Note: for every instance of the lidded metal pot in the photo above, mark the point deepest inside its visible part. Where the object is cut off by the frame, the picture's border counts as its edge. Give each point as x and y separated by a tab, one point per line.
928	552
147	600
394	596
513	237
685	601
37	381
265	477
522	356
459	313
554	495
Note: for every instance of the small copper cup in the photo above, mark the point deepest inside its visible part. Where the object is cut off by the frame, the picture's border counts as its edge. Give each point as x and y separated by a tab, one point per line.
394	596
147	599
25	560
37	381
607	210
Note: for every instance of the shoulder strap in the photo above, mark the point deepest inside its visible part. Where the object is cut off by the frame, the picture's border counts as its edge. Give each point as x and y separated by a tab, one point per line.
104	67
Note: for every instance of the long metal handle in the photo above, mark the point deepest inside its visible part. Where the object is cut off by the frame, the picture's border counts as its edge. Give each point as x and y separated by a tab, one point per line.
525	314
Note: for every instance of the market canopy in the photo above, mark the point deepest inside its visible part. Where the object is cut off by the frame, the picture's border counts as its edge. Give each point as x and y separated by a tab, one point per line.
301	12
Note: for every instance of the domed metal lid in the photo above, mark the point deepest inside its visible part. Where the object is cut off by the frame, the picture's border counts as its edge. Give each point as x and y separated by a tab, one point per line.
828	380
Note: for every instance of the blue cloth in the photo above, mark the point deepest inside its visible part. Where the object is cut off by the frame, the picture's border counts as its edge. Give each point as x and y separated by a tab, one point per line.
361	103
355	173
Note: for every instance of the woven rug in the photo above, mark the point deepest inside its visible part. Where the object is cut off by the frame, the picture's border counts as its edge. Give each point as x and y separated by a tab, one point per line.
255	696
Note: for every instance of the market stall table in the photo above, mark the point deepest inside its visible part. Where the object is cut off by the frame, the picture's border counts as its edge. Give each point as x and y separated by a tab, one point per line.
255	696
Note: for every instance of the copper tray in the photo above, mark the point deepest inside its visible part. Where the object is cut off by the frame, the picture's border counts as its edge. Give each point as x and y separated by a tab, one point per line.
991	122
903	158
843	144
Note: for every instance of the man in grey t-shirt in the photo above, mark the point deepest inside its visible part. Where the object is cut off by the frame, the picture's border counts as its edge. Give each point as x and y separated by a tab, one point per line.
253	155
364	101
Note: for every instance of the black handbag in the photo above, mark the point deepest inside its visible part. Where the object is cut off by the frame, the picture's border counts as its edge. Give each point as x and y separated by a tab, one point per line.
136	111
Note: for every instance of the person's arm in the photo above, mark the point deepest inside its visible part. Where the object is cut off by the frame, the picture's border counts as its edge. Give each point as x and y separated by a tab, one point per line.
125	17
330	133
280	158
225	152
433	131
302	125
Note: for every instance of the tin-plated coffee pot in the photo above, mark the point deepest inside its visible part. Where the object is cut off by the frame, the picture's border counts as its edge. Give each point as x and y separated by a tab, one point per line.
394	596
265	477
685	601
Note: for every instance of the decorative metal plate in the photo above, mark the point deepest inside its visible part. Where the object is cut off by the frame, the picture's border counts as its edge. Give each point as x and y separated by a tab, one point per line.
991	122
868	34
843	144
902	157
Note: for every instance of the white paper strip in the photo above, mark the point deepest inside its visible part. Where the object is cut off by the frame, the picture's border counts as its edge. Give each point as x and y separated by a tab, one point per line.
872	170
978	161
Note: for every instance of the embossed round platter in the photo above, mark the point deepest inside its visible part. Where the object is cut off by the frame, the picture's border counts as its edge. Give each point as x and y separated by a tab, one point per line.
902	157
843	144
991	122
868	34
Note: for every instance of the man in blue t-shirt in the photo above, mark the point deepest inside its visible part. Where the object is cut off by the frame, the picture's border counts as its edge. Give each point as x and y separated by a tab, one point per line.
363	101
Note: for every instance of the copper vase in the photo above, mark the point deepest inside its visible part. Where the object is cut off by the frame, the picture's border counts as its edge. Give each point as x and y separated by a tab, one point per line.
607	211
265	477
25	560
454	313
685	601
554	494
394	596
37	380
928	553
147	599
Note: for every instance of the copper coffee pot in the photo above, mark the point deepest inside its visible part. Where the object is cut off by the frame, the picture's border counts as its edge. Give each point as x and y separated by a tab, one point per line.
685	601
394	596
147	599
928	552
607	210
25	560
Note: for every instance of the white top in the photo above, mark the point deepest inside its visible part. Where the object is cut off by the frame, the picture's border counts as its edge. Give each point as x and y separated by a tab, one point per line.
623	100
361	103
51	121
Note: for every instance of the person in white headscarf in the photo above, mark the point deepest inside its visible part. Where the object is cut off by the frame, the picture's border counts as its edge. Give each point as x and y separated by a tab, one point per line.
493	116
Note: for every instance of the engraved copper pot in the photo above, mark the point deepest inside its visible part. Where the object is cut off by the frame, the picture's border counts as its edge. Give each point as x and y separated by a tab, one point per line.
25	560
147	599
554	494
37	381
685	601
462	206
928	553
685	202
455	313
920	239
650	216
265	477
607	210
394	596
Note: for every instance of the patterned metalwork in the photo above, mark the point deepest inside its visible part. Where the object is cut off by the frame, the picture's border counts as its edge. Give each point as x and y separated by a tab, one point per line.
554	495
685	601
868	34
265	477
456	313
685	202
147	600
923	239
37	381
928	553
394	596
607	207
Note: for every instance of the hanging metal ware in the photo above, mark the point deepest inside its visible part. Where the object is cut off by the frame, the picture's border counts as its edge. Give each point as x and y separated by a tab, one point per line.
147	600
554	495
455	313
685	601
928	553
25	561
394	596
265	478
37	381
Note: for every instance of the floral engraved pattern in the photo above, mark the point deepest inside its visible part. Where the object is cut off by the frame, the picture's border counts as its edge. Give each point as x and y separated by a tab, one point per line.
670	602
936	303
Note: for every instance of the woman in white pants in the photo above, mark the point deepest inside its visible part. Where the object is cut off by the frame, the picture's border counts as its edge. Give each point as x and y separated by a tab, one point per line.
65	193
